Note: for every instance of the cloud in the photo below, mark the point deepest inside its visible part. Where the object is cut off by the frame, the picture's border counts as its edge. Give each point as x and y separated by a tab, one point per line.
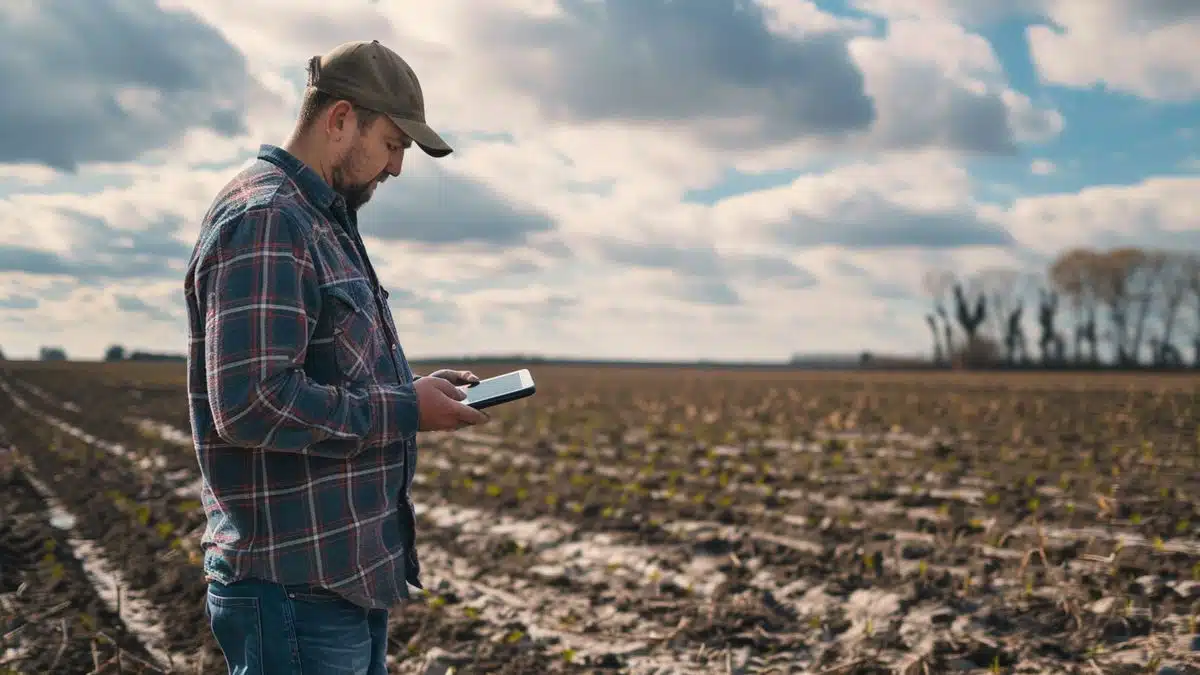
428	309
968	13
105	82
445	208
1042	167
135	305
31	261
19	302
712	65
914	203
1155	212
560	224
89	248
1148	48
937	85
700	273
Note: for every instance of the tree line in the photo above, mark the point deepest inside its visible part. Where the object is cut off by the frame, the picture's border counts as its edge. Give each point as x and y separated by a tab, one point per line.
1124	307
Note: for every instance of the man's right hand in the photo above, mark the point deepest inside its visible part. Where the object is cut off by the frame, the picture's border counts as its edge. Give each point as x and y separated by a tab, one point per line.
439	409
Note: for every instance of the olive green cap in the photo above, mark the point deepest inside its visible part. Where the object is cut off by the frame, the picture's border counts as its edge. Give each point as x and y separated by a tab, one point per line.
375	77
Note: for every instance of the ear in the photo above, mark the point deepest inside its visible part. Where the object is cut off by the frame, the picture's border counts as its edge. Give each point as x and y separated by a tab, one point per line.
338	117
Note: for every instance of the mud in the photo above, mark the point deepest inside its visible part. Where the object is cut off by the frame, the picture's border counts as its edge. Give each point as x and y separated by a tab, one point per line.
54	620
743	522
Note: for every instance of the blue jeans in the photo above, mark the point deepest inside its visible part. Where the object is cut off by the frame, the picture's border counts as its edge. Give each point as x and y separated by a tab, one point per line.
265	628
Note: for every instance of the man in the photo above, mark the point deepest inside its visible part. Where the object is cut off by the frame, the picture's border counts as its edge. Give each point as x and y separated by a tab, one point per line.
303	406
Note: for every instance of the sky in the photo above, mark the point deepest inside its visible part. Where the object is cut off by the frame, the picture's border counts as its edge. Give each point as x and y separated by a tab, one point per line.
658	179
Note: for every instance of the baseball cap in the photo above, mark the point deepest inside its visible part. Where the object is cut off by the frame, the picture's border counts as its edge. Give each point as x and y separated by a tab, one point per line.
372	76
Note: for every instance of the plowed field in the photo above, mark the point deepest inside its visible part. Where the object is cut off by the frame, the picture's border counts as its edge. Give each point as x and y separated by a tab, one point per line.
663	521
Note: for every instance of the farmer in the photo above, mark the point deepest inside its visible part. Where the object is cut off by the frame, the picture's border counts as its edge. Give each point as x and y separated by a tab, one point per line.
303	407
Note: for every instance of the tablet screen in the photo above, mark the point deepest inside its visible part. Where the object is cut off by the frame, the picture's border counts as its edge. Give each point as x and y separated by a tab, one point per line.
493	387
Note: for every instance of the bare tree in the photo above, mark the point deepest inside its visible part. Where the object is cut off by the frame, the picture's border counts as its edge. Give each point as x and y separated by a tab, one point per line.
938	356
1051	341
1173	285
1191	273
1003	288
1074	275
970	317
1146	277
1118	292
937	284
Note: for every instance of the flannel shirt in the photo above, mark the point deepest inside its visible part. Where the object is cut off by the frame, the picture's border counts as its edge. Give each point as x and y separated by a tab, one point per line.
302	406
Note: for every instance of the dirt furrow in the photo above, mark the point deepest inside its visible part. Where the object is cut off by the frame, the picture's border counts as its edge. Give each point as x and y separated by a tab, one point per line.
687	513
135	531
691	562
61	609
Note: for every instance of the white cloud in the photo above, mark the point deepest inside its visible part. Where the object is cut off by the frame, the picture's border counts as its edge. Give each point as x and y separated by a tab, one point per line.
1160	211
559	226
1042	167
938	85
1149	48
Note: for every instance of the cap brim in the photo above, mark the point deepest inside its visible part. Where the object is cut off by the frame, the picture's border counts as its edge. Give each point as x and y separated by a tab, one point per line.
424	136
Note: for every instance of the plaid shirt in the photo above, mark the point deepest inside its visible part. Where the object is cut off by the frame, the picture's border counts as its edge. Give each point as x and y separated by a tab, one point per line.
302	406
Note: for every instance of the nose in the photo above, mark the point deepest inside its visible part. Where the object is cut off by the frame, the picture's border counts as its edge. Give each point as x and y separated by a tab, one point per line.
395	163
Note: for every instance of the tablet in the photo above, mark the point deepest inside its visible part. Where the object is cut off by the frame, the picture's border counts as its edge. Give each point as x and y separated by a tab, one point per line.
499	389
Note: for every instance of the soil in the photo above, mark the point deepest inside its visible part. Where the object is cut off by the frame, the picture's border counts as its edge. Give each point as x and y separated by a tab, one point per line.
672	521
53	619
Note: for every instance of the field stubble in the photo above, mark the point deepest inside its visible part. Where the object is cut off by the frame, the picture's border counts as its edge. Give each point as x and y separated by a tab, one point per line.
658	521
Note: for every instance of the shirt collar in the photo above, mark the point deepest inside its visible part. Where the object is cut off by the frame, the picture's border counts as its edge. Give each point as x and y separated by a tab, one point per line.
309	181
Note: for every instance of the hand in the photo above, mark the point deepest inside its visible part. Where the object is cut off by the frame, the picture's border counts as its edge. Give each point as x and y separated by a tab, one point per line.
438	407
456	377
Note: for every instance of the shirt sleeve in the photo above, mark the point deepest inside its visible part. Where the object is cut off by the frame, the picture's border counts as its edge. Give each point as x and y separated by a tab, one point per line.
262	302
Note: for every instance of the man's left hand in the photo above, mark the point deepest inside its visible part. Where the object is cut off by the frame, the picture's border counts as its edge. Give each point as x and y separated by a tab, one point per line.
456	377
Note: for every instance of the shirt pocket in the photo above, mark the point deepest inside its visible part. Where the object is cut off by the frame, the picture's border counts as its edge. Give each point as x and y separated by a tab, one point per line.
355	330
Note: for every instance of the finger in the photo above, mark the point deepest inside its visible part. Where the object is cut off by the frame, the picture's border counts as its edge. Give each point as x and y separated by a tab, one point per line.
469	377
449	389
469	415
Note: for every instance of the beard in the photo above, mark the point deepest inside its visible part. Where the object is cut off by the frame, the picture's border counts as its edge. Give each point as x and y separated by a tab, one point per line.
356	194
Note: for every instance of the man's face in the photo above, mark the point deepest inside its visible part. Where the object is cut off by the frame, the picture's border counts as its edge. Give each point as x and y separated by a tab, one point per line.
366	159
